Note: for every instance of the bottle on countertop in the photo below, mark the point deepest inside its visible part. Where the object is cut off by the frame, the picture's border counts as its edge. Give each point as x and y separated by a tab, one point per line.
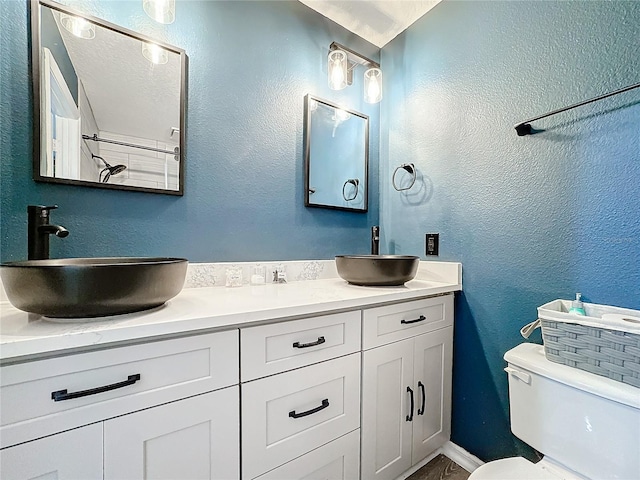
577	307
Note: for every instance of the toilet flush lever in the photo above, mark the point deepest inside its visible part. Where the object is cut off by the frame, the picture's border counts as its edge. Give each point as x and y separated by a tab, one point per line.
525	377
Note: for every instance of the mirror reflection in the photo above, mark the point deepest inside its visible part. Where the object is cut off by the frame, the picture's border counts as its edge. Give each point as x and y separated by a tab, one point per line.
336	156
110	104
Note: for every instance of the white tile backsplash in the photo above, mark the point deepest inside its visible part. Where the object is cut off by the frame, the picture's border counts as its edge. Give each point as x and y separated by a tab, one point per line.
214	274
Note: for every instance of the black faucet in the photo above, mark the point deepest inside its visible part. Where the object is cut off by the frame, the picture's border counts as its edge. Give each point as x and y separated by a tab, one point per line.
375	240
39	231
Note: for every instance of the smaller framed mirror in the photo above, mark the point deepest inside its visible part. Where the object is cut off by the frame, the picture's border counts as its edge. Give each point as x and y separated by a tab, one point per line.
109	104
336	145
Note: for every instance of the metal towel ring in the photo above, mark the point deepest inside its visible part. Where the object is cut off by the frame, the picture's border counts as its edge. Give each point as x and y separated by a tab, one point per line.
353	181
411	169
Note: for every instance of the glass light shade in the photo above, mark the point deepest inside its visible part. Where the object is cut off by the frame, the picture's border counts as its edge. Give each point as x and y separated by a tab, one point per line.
78	26
337	68
154	53
162	11
342	115
373	85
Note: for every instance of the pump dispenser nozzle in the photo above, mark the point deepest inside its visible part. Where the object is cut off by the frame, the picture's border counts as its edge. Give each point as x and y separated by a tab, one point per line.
577	307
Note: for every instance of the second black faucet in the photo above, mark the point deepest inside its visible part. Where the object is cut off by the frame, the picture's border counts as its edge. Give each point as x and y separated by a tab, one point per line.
375	240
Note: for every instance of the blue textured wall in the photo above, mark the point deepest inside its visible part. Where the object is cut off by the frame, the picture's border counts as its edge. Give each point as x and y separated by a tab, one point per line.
251	64
532	218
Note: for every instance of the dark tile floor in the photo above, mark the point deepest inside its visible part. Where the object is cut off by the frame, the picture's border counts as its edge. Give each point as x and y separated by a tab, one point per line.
440	468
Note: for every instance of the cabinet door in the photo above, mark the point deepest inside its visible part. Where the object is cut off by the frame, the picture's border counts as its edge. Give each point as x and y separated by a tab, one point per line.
386	430
194	438
72	455
432	373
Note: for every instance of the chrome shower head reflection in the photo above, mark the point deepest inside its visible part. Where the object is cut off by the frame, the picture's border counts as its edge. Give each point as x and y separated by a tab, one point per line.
108	170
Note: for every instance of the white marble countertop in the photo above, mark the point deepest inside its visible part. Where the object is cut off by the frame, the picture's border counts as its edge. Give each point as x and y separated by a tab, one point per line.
26	336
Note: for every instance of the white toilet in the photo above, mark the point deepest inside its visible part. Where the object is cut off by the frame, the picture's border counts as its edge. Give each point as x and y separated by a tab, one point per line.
587	426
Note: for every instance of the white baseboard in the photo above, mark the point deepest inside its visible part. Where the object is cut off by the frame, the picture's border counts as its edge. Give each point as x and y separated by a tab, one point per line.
459	455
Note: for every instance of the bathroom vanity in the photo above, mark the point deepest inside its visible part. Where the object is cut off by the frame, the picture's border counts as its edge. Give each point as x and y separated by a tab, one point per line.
308	378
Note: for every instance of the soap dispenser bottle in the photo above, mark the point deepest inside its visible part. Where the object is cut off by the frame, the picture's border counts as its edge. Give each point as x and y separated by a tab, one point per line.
577	307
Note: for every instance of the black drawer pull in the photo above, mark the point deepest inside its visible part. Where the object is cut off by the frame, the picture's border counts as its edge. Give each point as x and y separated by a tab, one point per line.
424	398
410	417
320	341
325	404
60	395
419	319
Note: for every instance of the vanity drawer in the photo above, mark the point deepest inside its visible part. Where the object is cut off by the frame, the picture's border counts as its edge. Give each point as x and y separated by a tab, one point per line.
337	460
270	349
135	377
290	414
383	325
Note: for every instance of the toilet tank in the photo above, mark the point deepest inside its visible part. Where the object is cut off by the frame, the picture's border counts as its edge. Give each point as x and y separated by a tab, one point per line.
587	423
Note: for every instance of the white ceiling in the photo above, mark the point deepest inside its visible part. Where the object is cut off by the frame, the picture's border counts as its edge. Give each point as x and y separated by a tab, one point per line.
378	21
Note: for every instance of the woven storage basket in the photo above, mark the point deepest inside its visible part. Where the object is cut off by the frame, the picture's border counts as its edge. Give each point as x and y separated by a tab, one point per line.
606	341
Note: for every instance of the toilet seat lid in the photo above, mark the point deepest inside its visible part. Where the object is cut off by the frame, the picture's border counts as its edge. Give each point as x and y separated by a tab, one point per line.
516	468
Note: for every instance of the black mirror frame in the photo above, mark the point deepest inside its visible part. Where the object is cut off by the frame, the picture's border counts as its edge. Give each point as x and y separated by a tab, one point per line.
35	72
307	154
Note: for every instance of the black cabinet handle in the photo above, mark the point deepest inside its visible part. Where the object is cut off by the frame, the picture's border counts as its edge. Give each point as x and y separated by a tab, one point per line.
60	395
410	417
325	404
424	398
419	319
320	341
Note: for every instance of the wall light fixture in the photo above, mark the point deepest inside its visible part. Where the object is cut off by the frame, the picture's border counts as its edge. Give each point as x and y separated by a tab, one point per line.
78	26
154	53
162	11
338	69
340	65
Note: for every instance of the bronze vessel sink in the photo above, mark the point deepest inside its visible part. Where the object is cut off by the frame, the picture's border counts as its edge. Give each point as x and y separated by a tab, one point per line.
377	270
92	287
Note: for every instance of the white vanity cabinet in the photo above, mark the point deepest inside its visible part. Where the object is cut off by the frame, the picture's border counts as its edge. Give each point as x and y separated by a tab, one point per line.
406	384
362	394
163	406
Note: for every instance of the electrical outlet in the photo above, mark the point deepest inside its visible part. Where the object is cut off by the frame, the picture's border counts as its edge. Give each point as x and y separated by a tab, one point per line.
433	243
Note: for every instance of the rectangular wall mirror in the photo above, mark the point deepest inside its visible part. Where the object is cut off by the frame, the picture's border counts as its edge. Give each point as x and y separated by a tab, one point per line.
109	104
336	145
